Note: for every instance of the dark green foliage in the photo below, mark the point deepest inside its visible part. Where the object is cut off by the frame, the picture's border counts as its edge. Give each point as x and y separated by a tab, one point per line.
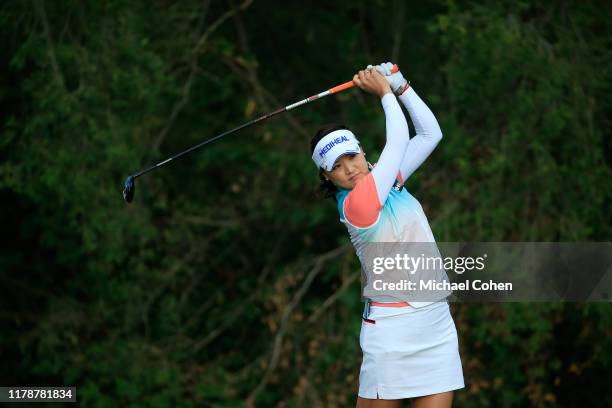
226	283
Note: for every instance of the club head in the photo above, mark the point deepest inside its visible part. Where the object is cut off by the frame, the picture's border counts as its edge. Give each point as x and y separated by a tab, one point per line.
128	189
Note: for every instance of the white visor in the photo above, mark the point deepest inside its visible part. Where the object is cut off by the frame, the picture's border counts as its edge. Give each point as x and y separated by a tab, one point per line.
334	145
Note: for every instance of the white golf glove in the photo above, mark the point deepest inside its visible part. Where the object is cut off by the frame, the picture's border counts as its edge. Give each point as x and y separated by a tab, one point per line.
396	80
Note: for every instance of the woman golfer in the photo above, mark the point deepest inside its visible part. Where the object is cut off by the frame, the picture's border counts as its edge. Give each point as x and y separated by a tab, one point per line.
410	349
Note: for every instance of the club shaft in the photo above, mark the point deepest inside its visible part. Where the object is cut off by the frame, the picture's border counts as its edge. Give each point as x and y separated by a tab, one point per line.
330	91
212	139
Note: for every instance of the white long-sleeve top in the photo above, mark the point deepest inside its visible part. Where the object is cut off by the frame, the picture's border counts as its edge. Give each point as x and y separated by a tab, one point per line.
373	210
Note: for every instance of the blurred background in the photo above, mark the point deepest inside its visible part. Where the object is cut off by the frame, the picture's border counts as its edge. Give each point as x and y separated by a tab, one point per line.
227	282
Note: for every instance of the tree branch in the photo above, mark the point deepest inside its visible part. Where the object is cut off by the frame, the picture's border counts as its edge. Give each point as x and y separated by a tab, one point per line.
178	107
40	9
265	98
332	299
278	339
399	25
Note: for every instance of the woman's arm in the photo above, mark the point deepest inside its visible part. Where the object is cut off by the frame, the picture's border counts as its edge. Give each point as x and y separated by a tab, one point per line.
397	136
363	204
395	150
428	133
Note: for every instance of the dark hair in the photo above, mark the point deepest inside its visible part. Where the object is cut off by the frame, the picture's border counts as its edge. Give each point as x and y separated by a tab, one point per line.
326	188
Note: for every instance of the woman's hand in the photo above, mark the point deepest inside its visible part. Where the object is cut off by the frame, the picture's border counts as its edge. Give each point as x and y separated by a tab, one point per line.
371	81
395	78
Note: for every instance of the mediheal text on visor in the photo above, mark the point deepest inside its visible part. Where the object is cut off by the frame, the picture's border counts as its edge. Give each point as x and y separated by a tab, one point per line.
331	144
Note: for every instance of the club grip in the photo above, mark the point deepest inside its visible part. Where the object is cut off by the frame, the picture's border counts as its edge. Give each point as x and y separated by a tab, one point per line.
342	87
350	84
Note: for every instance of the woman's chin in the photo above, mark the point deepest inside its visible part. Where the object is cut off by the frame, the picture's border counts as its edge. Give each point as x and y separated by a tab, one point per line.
356	180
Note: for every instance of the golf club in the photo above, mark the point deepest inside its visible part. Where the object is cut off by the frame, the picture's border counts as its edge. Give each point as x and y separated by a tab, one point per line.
129	186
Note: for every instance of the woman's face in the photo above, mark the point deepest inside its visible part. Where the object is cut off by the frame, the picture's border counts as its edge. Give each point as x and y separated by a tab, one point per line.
348	170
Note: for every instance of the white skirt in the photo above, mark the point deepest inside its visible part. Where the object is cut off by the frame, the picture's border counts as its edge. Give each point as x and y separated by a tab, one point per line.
409	352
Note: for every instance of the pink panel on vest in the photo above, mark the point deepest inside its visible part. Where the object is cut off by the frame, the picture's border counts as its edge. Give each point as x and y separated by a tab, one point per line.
361	206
